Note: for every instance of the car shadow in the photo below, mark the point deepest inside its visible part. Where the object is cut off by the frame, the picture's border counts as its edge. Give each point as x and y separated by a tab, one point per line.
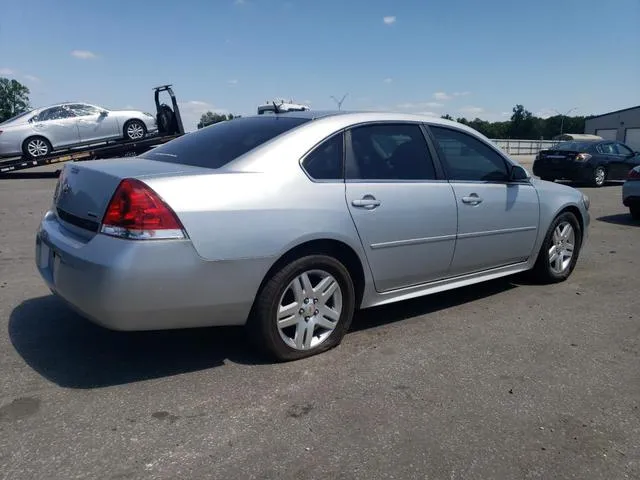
620	219
72	352
28	175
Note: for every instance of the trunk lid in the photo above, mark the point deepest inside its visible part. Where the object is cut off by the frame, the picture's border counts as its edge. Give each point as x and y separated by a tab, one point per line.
85	189
558	155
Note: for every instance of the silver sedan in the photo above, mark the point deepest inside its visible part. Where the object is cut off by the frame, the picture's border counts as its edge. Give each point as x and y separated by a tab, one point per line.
38	132
288	223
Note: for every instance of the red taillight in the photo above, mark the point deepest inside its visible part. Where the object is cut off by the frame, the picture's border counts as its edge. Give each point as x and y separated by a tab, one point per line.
634	174
137	212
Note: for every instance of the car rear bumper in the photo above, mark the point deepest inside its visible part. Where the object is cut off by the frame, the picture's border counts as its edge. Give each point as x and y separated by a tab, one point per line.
631	193
565	170
144	285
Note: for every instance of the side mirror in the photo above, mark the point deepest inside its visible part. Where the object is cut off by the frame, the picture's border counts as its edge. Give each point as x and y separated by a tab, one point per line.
518	174
104	113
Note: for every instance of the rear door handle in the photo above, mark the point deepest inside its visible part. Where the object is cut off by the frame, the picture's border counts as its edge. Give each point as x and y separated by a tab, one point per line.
368	202
472	199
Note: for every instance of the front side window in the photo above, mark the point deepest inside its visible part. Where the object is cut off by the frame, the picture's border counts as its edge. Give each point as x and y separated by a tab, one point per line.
467	158
83	110
325	161
623	150
389	152
218	144
607	149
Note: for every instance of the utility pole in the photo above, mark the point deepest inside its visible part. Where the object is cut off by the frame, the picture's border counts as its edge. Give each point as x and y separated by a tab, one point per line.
339	102
562	117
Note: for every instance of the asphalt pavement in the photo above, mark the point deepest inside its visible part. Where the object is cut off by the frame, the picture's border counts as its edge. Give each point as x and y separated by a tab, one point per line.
501	380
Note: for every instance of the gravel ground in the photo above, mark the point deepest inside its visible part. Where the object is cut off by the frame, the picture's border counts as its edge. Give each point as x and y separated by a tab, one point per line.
501	380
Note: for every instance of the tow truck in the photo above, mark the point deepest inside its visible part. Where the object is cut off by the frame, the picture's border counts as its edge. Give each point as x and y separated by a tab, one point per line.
280	106
169	123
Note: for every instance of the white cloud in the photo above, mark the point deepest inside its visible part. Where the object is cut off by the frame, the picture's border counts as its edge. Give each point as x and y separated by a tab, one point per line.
232	82
32	78
389	20
545	113
6	71
83	54
419	105
442	96
388	80
461	94
471	110
429	114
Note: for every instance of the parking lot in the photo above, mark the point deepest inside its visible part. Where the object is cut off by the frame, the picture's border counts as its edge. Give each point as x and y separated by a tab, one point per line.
499	380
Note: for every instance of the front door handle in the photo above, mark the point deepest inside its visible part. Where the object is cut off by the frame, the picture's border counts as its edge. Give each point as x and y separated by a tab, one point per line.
472	199
368	201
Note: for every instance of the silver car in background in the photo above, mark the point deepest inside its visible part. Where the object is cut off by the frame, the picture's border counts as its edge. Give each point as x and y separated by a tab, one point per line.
38	132
288	223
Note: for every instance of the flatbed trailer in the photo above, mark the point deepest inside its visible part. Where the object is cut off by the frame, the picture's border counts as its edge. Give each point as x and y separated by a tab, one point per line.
169	127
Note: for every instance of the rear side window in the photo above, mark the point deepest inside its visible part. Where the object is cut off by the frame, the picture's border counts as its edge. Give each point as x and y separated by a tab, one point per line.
325	161
223	142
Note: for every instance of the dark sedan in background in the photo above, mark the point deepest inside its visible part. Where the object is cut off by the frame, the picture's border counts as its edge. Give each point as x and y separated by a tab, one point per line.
593	162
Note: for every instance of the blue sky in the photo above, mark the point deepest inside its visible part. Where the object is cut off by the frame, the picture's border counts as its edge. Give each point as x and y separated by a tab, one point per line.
462	57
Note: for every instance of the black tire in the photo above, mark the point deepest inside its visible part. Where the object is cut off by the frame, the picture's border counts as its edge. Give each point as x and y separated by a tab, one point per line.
596	179
635	212
542	272
128	133
262	324
45	145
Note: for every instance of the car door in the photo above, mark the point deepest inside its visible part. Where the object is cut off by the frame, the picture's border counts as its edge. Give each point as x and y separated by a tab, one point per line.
609	158
94	124
58	125
628	160
497	219
403	210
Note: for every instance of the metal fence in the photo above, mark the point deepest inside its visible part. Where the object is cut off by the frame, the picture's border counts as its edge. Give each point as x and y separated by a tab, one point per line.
523	147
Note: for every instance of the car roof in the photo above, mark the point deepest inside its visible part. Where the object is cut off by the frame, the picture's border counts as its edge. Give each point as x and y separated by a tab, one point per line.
355	116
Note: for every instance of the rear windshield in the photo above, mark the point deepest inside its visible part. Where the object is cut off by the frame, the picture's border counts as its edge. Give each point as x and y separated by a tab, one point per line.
573	146
219	144
24	114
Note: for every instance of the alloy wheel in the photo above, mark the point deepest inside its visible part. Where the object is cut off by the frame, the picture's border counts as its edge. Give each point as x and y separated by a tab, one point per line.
309	310
135	131
599	175
37	147
561	251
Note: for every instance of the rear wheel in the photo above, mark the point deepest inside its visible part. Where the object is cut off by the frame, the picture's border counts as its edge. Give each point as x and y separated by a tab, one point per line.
134	130
599	176
36	147
559	251
635	212
304	308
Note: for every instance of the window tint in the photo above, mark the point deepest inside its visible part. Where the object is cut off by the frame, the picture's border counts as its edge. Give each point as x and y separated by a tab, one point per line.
573	146
468	158
218	144
389	152
623	149
325	161
607	149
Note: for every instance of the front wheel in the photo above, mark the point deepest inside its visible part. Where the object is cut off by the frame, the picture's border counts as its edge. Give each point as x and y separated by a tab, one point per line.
134	130
559	251
303	309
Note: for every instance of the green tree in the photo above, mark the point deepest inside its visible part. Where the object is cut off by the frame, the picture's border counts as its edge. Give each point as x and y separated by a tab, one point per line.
447	117
522	123
209	118
14	98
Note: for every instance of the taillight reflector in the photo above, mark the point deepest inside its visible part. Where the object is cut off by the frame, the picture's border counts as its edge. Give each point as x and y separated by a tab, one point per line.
634	174
137	212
